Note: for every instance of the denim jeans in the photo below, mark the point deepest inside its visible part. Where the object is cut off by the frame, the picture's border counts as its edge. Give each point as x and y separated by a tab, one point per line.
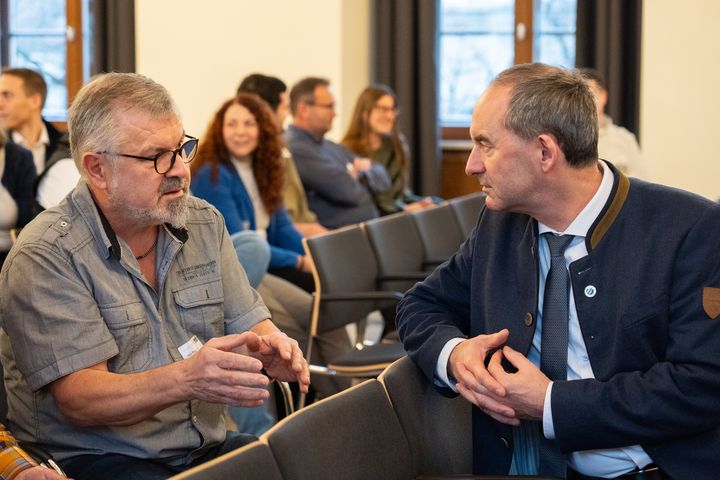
253	251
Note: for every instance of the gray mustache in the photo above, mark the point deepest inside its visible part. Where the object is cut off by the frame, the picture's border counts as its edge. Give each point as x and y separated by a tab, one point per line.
172	183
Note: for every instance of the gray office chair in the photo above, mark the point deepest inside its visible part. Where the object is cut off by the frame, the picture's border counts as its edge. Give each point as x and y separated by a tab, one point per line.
398	249
251	462
440	233
467	210
353	435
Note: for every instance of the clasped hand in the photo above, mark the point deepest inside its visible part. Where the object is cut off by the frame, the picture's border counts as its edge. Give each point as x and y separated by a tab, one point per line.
506	397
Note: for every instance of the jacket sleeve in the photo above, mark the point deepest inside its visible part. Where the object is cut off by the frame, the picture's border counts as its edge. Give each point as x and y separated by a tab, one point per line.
675	397
437	309
376	179
284	239
222	197
22	182
328	178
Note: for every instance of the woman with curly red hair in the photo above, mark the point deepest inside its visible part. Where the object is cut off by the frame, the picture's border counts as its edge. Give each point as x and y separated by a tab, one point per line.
239	169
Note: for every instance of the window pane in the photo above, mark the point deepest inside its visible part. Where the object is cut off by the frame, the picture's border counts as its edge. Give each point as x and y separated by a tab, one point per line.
468	65
554	37
46	15
495	16
476	43
47	55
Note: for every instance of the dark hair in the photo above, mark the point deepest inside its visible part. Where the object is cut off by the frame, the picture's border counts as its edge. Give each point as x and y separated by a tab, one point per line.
595	76
357	136
33	82
304	91
553	100
266	87
267	163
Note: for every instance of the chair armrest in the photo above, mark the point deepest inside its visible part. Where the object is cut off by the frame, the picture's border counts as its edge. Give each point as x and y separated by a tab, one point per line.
359	296
403	276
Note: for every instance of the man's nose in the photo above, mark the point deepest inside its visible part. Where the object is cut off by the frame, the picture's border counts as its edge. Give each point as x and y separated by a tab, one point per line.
474	163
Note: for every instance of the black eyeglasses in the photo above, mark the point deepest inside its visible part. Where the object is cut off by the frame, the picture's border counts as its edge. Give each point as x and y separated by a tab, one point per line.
329	106
164	161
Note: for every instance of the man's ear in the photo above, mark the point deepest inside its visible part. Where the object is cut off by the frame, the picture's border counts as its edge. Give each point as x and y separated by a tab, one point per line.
550	151
97	169
36	101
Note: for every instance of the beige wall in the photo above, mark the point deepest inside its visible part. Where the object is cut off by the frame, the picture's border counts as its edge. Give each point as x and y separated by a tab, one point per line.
680	99
201	50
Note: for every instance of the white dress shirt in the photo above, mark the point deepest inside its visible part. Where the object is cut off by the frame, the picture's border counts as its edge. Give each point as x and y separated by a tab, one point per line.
38	150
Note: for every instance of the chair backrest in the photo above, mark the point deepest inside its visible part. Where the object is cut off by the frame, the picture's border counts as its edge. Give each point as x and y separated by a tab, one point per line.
439	232
467	210
353	435
252	462
344	263
398	249
438	428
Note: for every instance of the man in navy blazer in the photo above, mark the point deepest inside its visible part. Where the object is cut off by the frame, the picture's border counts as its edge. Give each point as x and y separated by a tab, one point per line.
643	364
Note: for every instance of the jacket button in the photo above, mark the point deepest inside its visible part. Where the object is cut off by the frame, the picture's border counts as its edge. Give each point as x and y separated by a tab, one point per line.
505	442
528	319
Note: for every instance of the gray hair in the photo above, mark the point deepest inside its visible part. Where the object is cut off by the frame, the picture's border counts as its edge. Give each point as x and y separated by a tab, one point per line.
554	100
94	121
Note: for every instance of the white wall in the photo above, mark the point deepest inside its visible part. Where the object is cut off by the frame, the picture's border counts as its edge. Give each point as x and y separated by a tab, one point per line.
680	93
201	50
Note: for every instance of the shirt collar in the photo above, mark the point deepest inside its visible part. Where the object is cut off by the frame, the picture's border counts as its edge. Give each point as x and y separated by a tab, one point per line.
87	204
585	219
43	140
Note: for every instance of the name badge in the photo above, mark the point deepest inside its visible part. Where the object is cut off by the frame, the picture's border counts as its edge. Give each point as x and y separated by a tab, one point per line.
189	348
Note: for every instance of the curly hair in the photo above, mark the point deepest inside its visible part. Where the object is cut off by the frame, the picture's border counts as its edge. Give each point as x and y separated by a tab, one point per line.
357	136
267	163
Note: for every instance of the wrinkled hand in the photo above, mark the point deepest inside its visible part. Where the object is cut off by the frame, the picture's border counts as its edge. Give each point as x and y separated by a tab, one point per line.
524	389
222	372
39	473
474	382
282	359
506	397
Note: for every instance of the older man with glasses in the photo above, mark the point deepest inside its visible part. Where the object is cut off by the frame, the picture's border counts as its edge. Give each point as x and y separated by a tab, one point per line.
130	323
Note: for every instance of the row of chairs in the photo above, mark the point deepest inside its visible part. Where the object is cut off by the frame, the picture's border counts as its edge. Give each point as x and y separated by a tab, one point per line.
397	427
362	268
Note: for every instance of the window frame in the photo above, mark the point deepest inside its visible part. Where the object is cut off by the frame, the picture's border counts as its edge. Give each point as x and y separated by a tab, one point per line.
524	35
73	47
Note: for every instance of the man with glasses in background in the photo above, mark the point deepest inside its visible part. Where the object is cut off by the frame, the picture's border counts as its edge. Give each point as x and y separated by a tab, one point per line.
129	324
338	185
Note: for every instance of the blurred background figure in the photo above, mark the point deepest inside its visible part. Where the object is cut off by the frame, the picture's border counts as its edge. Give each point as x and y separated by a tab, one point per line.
274	92
339	185
17	171
239	169
615	143
373	133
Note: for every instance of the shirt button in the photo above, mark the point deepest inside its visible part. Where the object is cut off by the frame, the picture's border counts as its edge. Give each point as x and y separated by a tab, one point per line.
195	419
505	442
528	319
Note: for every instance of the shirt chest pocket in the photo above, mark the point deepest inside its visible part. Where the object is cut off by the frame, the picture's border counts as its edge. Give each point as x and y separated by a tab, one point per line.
201	309
128	325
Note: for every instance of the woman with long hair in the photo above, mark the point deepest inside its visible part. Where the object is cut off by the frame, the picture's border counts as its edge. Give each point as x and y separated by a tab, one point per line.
239	169
373	134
